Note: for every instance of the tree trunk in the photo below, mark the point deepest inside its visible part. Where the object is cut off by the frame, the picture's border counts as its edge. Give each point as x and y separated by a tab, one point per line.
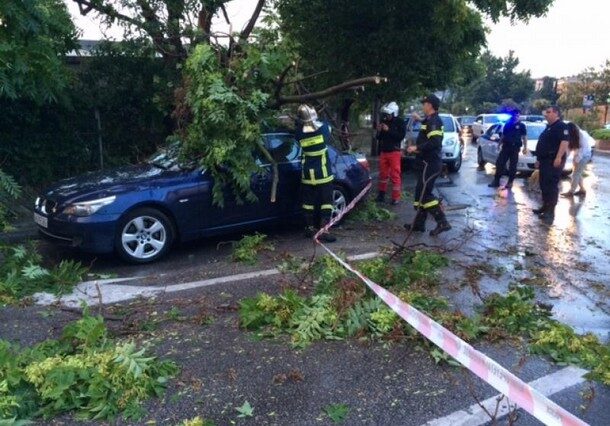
375	121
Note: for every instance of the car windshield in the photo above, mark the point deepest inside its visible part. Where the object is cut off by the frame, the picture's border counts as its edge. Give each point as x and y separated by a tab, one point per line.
492	119
448	125
168	158
467	120
533	132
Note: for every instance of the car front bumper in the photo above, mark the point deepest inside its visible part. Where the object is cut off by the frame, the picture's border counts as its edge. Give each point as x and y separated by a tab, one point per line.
91	234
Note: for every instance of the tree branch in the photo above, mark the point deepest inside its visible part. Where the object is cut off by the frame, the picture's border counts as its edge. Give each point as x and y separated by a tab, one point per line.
86	6
248	29
295	99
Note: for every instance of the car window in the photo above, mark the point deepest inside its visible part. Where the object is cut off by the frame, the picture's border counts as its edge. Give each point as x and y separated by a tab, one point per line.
479	119
491	119
448	124
283	148
493	129
534	132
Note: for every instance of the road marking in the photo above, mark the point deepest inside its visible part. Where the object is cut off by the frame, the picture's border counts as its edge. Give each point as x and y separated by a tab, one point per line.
109	291
547	385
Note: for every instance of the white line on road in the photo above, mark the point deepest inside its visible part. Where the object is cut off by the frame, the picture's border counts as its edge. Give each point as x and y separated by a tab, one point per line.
108	291
547	385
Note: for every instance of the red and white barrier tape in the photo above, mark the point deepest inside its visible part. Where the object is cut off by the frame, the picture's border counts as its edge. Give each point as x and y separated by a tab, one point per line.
480	364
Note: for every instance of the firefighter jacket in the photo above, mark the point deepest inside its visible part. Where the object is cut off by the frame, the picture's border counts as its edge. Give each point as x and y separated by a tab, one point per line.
430	140
390	141
315	160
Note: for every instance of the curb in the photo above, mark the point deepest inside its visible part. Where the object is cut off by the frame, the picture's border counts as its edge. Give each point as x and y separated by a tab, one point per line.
603	152
16	237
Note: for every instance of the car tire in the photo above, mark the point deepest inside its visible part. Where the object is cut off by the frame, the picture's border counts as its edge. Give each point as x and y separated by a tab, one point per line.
341	198
144	235
480	160
456	164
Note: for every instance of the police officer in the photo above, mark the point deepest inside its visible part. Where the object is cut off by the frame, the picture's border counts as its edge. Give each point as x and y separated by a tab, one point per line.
551	153
390	133
427	150
316	176
514	135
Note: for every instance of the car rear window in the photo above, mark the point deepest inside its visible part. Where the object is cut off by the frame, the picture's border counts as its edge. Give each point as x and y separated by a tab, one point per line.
448	124
491	119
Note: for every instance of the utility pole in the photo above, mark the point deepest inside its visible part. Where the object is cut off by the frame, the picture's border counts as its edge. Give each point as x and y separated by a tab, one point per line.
606	110
99	137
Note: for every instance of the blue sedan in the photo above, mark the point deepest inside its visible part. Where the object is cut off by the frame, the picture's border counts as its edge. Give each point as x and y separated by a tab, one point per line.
140	211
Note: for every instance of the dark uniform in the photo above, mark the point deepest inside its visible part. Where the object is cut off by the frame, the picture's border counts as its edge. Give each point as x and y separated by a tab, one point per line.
511	144
316	175
429	163
546	151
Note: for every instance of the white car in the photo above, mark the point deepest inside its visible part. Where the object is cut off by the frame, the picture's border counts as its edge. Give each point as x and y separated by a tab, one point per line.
489	148
484	121
453	147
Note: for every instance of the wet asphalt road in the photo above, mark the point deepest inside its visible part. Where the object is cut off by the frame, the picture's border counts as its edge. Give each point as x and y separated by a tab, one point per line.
566	262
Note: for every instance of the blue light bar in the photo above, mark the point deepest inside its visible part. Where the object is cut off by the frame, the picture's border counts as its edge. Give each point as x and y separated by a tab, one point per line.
504	117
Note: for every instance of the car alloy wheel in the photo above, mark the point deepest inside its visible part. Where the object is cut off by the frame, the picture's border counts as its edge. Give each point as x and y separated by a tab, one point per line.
339	201
144	237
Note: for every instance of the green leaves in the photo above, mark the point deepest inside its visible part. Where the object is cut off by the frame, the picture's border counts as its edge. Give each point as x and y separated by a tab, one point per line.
337	412
247	249
246	410
21	274
83	372
34	36
228	105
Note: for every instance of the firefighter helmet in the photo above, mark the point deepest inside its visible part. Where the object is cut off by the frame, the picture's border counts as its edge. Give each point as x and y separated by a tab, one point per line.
390	109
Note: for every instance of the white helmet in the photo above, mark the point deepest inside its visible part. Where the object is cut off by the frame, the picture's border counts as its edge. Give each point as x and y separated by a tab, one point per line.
390	109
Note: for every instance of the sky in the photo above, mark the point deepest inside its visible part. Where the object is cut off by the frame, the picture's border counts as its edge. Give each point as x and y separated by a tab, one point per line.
574	35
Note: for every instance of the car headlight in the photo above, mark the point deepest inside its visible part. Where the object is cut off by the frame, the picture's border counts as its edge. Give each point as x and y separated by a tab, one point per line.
87	208
449	142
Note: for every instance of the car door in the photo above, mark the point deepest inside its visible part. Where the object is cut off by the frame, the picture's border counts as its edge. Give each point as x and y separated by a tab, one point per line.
495	138
477	126
286	151
487	144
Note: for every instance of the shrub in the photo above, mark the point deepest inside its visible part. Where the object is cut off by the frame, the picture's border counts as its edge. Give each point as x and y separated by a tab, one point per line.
83	372
601	134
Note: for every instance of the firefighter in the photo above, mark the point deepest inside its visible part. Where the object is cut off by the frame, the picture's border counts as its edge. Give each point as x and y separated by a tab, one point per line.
427	150
316	176
390	133
551	153
514	135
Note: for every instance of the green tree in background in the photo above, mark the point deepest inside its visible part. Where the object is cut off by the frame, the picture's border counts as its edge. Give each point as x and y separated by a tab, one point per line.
34	36
500	81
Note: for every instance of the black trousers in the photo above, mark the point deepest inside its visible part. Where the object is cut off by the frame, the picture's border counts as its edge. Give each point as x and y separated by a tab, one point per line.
317	203
426	176
507	154
549	182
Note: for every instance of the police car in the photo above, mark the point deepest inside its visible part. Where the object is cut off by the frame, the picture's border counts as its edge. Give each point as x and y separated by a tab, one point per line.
489	148
453	146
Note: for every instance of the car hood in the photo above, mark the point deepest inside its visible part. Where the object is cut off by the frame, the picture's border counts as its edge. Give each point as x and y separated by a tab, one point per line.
105	183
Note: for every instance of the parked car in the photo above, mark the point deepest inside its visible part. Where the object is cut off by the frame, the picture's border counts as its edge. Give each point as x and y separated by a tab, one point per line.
483	122
453	146
140	211
532	118
466	123
489	148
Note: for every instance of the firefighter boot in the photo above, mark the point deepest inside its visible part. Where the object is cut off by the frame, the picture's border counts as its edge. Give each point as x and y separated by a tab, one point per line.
380	197
419	224
441	221
310	230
